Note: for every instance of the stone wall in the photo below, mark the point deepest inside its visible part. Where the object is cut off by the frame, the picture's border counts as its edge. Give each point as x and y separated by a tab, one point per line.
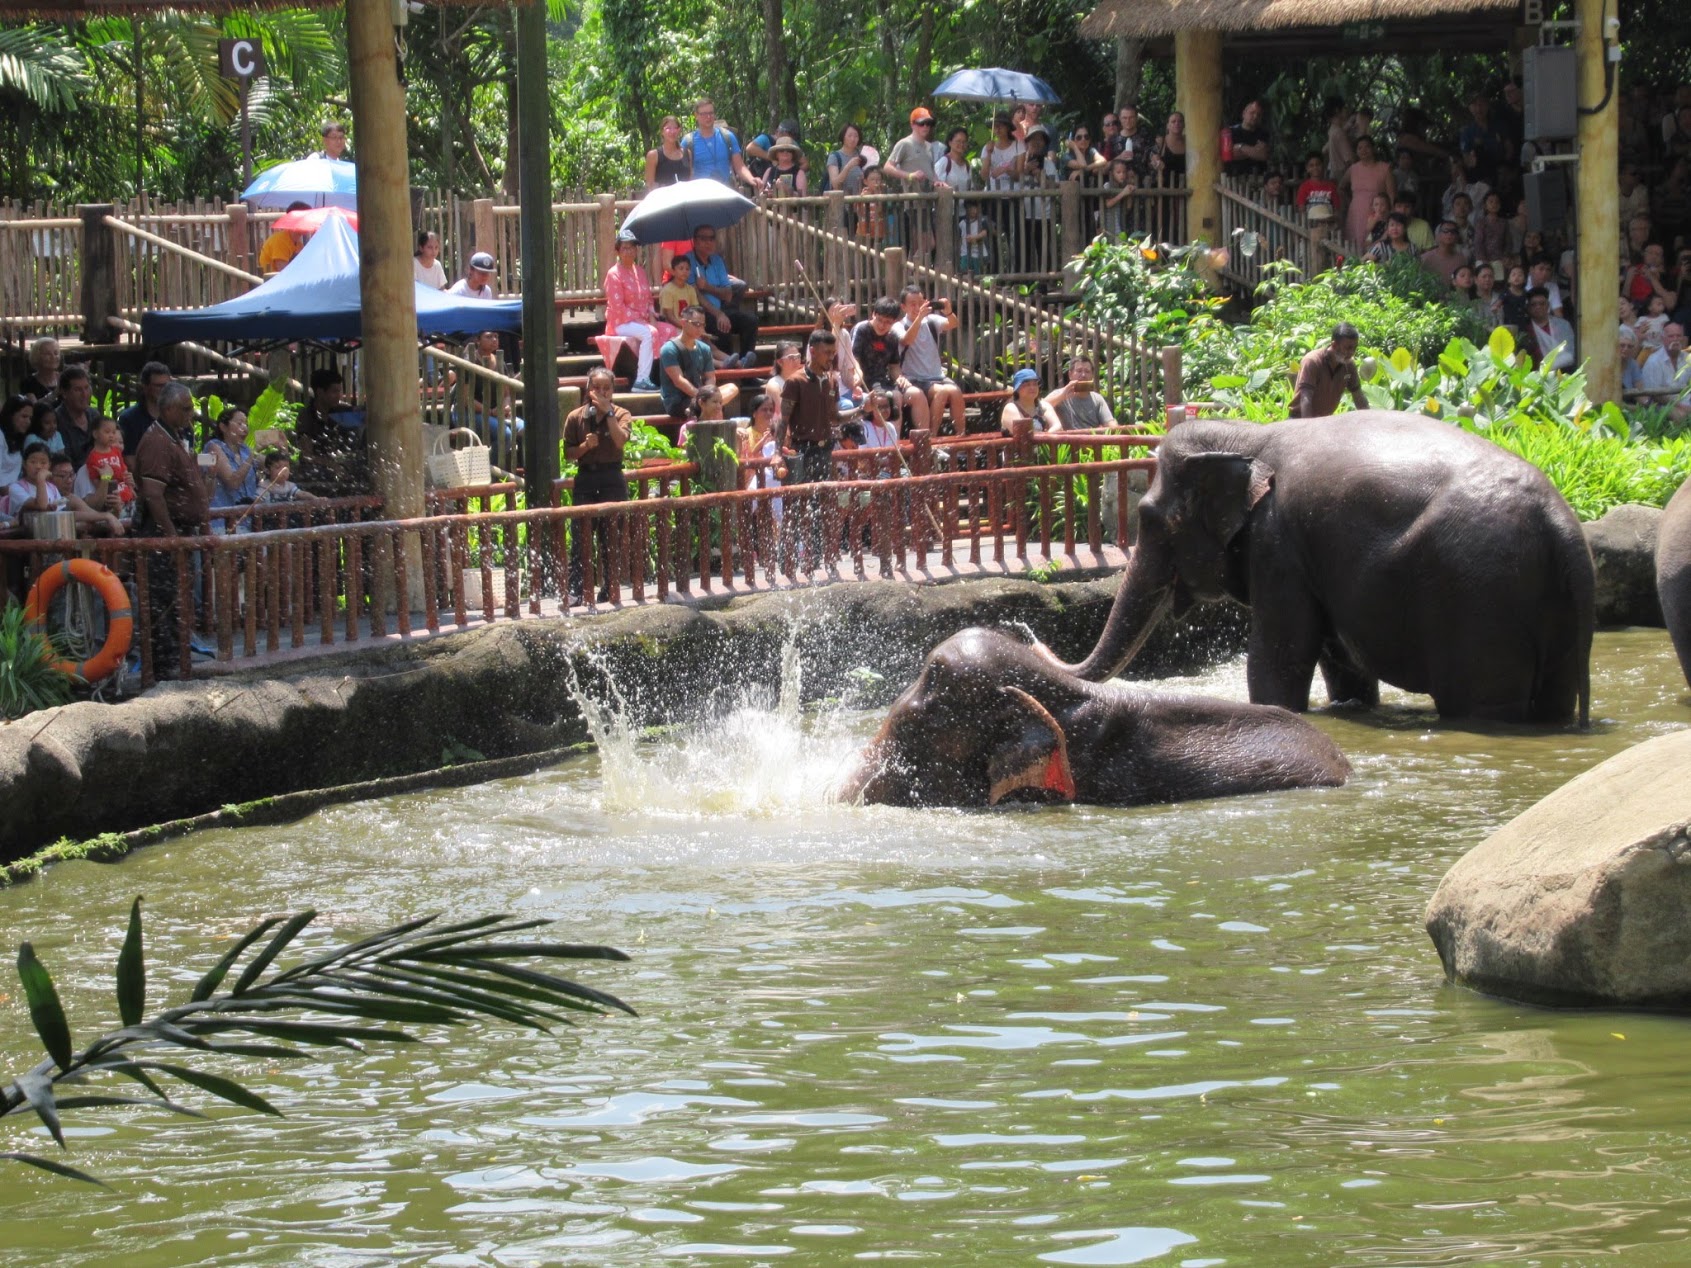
187	748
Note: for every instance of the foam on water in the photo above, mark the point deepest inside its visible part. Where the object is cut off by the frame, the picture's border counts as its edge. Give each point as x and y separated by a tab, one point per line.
760	757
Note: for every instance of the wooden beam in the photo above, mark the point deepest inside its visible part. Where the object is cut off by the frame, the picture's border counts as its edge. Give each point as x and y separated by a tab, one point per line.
1197	93
541	430
393	416
1597	207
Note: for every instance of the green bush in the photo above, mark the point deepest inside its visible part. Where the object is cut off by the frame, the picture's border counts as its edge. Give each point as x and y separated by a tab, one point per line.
28	678
1440	363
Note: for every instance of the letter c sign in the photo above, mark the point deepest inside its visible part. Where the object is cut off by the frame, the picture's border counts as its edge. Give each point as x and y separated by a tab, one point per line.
240	59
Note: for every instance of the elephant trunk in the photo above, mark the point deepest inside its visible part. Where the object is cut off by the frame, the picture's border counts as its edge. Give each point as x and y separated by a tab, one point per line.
1146	593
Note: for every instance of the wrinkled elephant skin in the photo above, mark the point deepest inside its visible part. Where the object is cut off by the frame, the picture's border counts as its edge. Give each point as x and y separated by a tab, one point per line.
1377	547
991	719
1673	573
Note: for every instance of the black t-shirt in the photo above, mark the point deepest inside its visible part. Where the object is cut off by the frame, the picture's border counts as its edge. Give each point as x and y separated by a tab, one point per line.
878	356
133	423
1247	136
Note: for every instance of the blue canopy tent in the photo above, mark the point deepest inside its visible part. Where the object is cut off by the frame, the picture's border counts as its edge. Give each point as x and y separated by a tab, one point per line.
316	300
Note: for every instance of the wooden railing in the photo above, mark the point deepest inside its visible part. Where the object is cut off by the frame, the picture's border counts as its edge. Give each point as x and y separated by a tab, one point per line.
999	502
998	332
1279	236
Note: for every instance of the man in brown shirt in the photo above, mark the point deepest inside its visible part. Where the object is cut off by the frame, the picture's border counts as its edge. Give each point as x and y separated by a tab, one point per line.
594	438
807	429
174	503
1325	375
810	411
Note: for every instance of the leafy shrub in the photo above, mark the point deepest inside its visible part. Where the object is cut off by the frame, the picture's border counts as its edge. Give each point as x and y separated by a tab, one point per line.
1393	305
28	679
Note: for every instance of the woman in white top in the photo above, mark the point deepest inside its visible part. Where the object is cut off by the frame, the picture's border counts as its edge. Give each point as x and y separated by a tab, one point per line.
425	265
1001	160
1340	150
952	167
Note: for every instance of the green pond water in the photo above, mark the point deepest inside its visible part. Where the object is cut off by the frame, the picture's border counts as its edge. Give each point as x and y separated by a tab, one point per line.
1196	1035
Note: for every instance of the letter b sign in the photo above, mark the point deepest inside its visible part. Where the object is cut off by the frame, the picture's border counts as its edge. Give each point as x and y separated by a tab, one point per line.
240	59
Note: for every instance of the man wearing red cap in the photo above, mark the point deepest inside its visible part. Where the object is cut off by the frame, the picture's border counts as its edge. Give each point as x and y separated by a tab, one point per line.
912	163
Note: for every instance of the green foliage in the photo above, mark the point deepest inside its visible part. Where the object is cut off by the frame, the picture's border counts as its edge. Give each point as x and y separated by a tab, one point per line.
410	974
28	678
1596	457
1393	305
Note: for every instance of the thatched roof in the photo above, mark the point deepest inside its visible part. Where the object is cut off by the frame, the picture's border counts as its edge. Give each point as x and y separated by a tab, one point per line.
1151	19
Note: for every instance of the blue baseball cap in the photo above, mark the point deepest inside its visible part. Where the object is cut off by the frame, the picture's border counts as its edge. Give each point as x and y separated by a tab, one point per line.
1023	377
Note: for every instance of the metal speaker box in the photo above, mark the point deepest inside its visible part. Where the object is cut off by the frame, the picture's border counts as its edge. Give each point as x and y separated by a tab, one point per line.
1547	199
1548	90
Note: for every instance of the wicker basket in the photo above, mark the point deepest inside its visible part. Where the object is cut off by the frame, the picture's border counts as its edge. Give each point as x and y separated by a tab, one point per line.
450	468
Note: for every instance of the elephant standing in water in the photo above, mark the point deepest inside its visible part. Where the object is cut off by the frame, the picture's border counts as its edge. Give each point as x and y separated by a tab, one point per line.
1381	547
1673	573
991	719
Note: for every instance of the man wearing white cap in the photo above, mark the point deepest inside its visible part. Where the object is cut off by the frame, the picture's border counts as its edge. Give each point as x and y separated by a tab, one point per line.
476	282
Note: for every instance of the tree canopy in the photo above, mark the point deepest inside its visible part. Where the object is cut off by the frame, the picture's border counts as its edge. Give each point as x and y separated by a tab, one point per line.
102	108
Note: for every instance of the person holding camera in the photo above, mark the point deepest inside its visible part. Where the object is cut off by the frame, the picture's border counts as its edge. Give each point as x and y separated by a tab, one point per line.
918	332
1077	405
594	438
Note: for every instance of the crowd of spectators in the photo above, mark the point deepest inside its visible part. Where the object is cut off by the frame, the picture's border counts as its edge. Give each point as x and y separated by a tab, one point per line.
1450	194
1022	152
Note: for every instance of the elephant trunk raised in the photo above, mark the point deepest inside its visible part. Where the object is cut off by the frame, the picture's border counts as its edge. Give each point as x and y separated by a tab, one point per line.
1145	596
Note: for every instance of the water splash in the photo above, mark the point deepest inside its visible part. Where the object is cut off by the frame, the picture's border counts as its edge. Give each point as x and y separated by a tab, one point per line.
762	755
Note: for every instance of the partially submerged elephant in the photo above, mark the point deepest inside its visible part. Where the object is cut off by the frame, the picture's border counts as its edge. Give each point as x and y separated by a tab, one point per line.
1379	547
1673	573
991	719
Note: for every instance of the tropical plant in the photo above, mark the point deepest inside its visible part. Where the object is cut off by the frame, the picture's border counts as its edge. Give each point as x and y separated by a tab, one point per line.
415	973
29	678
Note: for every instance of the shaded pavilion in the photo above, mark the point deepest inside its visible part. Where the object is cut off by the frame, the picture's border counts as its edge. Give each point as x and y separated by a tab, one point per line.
1206	34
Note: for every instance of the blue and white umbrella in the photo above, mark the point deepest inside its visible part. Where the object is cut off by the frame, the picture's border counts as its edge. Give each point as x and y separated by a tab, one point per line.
670	213
996	84
317	182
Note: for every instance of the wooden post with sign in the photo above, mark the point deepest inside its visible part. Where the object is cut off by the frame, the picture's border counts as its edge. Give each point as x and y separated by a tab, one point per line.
241	60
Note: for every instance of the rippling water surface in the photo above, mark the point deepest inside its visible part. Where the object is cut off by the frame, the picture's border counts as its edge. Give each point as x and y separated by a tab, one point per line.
1208	1034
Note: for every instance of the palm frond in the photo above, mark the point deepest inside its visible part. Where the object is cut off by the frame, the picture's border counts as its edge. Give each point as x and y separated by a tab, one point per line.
38	64
415	973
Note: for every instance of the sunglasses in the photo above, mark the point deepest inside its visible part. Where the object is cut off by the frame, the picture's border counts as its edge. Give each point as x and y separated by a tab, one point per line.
924	123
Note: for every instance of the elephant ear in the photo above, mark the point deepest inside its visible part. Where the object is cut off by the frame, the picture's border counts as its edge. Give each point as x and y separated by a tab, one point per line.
1223	488
1035	759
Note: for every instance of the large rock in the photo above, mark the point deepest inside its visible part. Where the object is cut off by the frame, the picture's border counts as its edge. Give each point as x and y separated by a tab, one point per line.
1585	899
1623	553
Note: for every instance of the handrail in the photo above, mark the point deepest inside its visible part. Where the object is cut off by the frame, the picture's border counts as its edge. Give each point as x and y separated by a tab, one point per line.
114	223
128	327
55	223
1258	209
504	380
957	282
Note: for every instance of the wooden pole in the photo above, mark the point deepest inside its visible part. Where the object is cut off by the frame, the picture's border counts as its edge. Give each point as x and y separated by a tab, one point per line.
1197	93
393	408
99	273
540	322
1597	206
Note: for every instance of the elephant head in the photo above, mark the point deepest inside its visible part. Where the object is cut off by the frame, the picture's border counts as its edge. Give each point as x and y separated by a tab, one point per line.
965	734
1192	526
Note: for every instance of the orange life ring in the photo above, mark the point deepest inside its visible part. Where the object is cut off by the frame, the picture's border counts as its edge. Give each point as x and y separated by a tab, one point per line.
120	627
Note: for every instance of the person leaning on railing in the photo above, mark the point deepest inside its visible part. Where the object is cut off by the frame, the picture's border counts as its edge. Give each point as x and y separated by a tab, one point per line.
174	503
1023	405
1077	405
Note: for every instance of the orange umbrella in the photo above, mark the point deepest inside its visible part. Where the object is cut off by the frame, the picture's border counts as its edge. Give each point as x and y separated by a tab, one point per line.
310	219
